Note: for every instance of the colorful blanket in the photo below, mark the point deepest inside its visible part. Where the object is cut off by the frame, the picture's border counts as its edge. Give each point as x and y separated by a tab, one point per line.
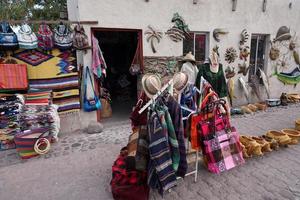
13	77
57	72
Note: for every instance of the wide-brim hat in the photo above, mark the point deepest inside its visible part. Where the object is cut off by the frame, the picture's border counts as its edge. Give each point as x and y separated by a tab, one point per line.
189	57
151	84
180	81
283	33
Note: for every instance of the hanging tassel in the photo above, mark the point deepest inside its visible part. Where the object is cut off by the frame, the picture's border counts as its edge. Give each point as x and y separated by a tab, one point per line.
234	3
264	5
195	1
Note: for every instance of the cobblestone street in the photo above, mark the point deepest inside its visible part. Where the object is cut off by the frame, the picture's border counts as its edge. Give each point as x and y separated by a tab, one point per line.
79	167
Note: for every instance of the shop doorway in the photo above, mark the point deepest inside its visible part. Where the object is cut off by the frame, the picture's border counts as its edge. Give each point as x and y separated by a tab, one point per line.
120	50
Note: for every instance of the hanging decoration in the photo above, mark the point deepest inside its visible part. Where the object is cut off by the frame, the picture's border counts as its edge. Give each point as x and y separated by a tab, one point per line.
244	88
180	30
265	81
195	1
244	52
217	32
296	57
216	50
244	37
283	34
254	85
152	36
230	55
230	87
274	52
243	69
264	7
229	72
292	78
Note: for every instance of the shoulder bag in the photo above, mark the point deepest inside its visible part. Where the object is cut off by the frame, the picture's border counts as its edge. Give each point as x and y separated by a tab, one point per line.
94	103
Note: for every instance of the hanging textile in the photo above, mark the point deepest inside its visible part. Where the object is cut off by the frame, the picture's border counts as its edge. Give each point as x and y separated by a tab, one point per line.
137	64
98	62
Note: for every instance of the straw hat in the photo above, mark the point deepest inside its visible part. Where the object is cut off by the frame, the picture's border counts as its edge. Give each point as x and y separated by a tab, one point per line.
151	84
180	81
189	57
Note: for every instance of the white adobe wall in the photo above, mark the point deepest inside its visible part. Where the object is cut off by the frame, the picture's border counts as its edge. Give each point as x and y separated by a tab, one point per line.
204	16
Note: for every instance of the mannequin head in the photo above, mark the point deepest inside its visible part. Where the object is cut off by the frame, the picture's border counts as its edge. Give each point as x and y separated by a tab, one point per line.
214	62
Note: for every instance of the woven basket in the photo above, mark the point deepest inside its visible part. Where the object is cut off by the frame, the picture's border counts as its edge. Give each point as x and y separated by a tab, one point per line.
297	124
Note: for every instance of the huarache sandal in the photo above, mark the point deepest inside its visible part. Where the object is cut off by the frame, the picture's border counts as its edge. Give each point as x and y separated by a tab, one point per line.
293	134
245	109
253	148
244	151
273	143
266	147
297	124
282	138
261	106
252	107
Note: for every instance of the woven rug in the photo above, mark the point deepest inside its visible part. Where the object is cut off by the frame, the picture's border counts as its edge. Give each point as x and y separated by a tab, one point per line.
57	72
33	57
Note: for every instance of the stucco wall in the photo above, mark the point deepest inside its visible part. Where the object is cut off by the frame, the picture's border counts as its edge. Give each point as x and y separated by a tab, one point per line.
204	16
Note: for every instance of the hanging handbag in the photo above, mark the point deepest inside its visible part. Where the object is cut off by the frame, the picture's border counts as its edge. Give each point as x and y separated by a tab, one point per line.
45	37
63	37
106	110
220	141
94	103
8	38
128	184
27	39
80	39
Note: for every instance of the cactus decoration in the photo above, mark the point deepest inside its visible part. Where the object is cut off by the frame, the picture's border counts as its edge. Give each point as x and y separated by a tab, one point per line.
152	36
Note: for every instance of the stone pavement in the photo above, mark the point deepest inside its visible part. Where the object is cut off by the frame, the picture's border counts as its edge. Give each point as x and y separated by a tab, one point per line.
79	167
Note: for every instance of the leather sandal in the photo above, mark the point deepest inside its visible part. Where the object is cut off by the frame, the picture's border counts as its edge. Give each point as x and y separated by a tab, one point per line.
273	143
293	134
245	109
297	124
282	138
253	148
252	107
261	106
266	147
244	151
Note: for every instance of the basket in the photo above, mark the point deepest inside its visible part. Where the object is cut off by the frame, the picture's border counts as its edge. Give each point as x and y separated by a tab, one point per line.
297	124
26	140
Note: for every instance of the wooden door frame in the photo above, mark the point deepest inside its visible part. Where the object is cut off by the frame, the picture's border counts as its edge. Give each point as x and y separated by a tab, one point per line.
99	29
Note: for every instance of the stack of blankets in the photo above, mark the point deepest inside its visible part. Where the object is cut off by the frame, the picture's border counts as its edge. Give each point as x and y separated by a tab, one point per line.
41	116
38	97
10	108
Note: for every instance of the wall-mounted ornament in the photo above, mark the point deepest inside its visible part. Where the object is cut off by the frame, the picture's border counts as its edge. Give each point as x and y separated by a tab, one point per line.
292	78
274	52
293	43
244	88
244	52
216	50
296	57
254	85
152	36
264	6
195	1
180	30
217	32
230	55
230	87
265	80
229	72
243	69
283	33
234	3
244	37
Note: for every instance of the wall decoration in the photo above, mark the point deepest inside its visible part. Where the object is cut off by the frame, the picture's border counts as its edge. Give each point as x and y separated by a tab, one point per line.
265	80
180	30
296	57
283	34
195	1
217	32
32	57
216	49
230	87
244	52
274	52
230	55
244	88
292	78
229	72
243	69
153	35
244	37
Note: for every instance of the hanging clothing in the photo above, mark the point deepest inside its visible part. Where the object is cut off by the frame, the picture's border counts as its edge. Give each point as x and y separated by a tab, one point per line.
98	63
217	80
161	174
166	119
176	116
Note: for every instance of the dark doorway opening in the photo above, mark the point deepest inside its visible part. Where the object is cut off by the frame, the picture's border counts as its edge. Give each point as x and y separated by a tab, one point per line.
119	48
